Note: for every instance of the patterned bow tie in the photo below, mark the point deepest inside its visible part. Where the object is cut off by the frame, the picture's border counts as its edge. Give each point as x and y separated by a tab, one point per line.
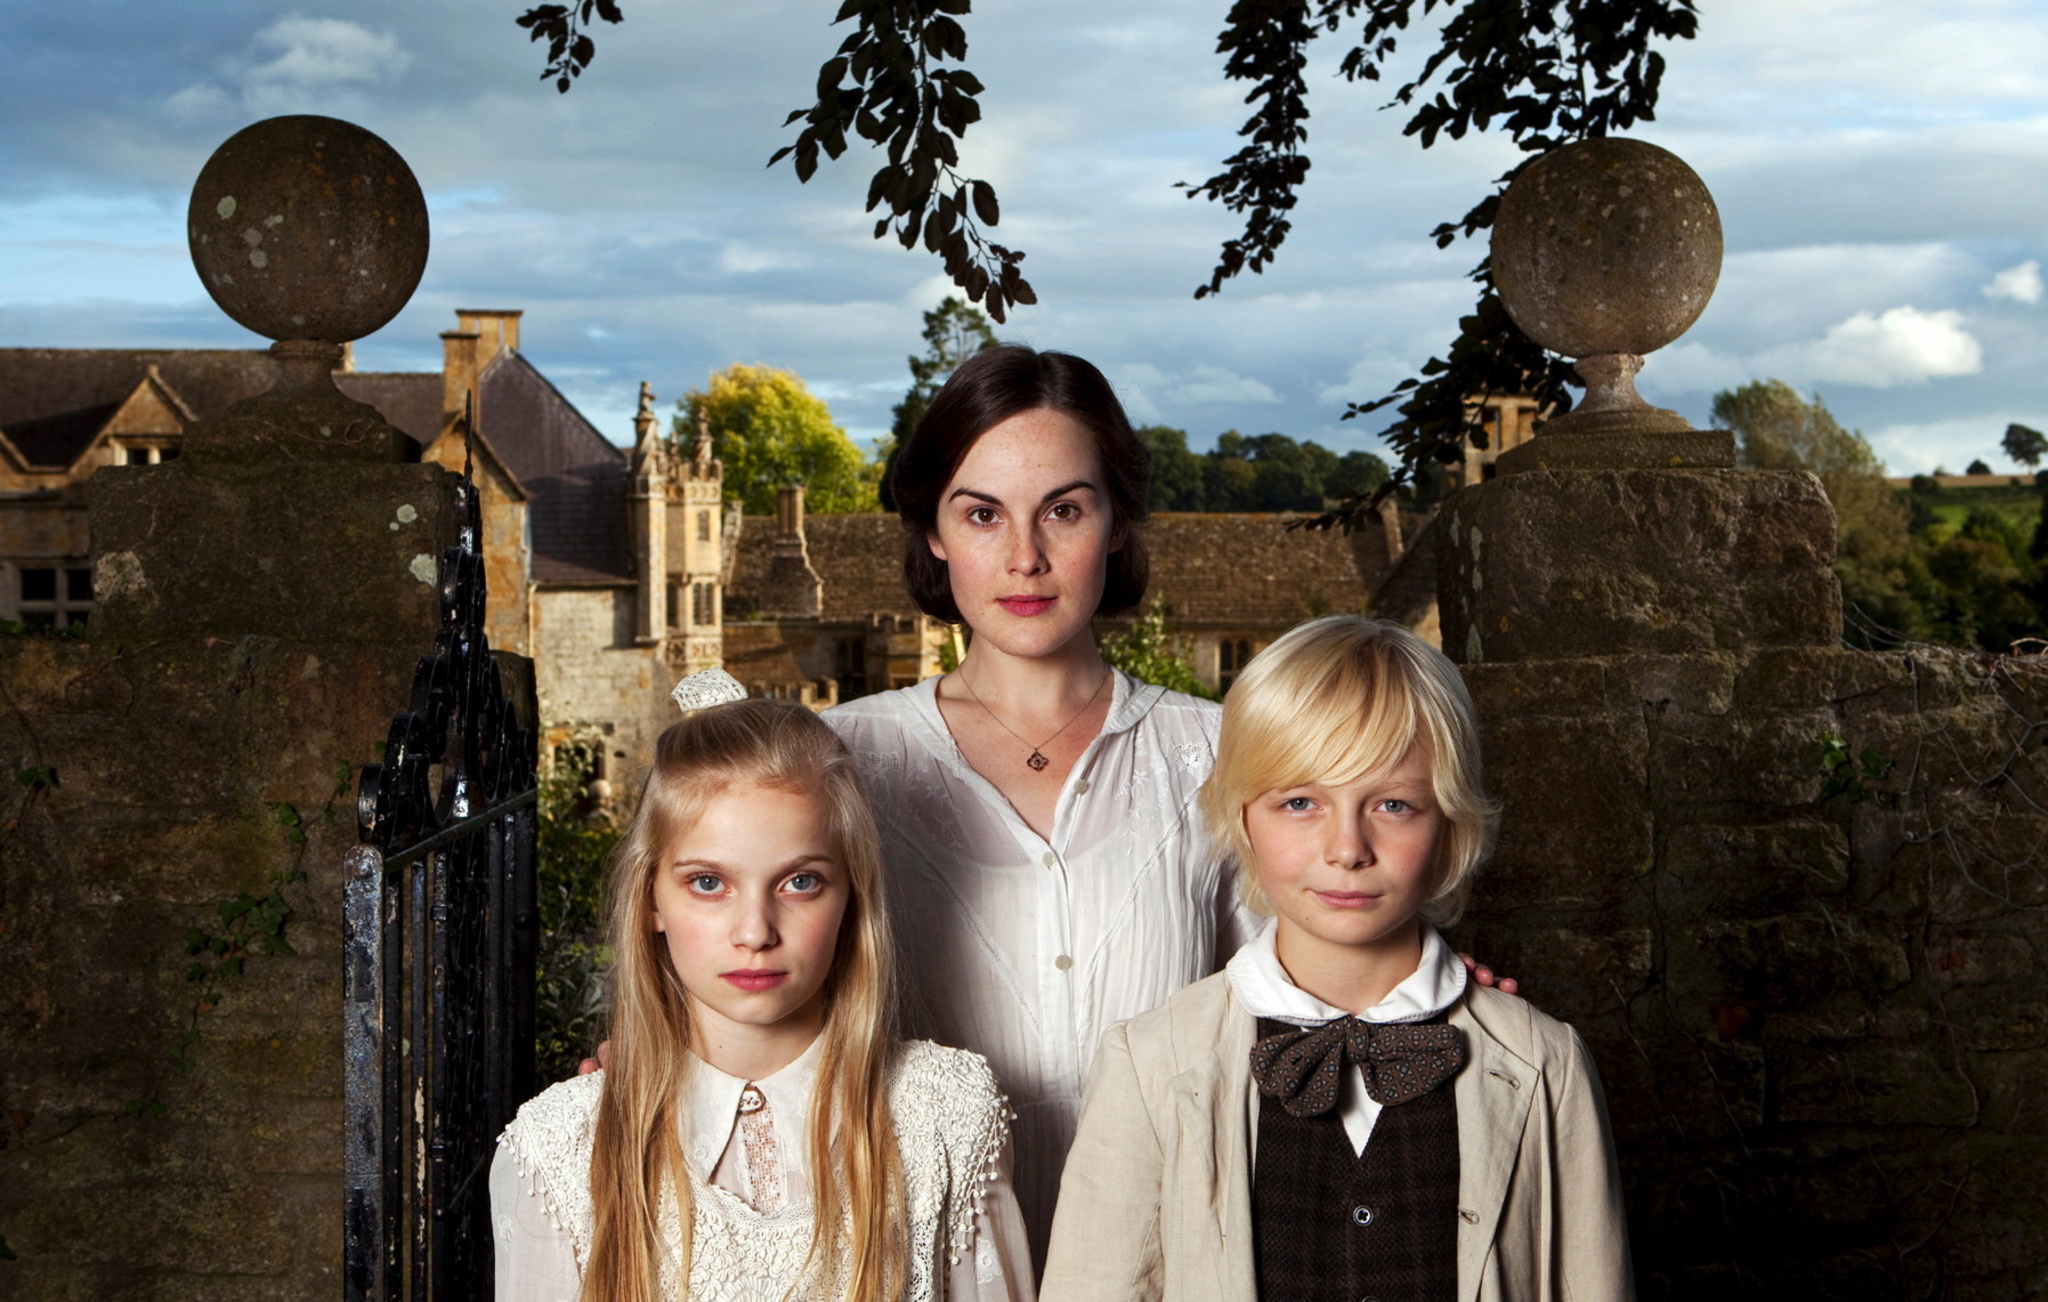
1401	1061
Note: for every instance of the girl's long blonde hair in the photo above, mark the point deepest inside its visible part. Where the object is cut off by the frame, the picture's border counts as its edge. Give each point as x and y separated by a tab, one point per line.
857	1180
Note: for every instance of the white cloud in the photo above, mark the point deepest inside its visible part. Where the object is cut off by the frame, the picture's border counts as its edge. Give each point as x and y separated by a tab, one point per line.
296	63
2022	284
1900	345
1155	395
326	51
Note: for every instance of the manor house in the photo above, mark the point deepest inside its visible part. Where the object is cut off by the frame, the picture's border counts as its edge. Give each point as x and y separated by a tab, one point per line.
618	570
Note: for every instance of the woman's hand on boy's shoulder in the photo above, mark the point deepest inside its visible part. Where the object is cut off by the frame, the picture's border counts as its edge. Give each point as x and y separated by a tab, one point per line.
604	1053
1483	975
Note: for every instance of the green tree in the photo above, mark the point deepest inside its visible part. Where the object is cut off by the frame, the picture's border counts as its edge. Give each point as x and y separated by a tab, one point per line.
2025	446
1546	72
1875	557
1176	472
1151	651
771	431
953	332
1357	475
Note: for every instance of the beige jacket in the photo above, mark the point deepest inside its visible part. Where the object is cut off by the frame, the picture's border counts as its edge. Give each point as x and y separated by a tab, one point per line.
1156	1202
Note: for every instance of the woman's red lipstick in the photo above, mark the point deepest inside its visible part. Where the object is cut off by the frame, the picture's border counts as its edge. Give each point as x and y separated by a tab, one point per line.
754	979
1026	605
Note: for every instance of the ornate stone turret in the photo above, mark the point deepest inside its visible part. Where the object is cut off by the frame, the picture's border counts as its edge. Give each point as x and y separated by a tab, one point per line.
1618	528
650	523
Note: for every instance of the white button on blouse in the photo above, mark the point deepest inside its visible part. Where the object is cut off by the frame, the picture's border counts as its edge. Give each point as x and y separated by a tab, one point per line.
1027	950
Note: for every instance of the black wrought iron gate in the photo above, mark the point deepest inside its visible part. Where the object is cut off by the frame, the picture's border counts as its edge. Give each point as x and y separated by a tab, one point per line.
438	984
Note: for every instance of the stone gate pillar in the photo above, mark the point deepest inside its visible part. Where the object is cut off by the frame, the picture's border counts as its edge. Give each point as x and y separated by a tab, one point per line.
170	1024
1801	994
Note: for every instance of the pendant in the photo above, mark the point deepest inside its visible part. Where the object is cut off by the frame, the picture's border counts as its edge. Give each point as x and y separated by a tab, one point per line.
1037	761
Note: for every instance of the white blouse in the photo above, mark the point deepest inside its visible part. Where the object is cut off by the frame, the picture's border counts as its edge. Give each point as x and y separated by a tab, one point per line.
1262	985
752	1215
1027	950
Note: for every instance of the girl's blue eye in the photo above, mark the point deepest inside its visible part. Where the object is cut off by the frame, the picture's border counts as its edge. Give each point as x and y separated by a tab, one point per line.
805	883
704	884
1297	804
1396	806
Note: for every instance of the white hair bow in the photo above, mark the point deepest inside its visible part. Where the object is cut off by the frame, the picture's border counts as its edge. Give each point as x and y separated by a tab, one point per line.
706	688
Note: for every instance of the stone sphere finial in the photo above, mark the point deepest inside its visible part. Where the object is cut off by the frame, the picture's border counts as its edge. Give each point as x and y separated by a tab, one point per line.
313	232
308	228
1605	250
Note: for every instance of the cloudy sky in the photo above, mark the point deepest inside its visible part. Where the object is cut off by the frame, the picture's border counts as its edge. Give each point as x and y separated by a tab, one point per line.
1881	168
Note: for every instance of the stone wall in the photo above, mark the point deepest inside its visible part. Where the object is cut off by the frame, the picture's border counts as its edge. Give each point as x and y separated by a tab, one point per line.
163	1137
597	685
1794	897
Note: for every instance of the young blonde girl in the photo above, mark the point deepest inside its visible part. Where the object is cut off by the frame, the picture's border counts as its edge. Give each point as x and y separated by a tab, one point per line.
760	1132
1340	1114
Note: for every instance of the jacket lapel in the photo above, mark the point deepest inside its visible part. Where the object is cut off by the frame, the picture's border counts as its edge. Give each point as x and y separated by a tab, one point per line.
1212	1167
1494	1092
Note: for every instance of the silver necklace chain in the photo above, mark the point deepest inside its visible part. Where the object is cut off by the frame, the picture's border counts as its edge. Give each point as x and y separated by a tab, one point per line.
1037	760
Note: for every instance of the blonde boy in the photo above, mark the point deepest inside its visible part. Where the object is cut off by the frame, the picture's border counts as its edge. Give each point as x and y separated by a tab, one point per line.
1339	1114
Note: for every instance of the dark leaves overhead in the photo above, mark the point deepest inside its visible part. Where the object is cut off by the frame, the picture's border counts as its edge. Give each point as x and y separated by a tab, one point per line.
888	85
570	49
1546	73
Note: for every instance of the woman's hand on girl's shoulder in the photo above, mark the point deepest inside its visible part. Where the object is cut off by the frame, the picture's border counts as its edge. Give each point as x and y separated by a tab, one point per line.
1483	975
604	1050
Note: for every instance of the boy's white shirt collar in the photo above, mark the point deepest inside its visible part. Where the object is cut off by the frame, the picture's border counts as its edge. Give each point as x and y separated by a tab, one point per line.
712	1106
1264	988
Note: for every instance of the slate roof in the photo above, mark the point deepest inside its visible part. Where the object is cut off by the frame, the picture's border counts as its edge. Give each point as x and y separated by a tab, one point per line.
576	480
757	656
859	557
53	401
1214	571
411	400
1225	571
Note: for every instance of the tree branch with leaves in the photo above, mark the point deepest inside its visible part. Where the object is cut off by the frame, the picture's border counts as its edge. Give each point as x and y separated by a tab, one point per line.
1545	72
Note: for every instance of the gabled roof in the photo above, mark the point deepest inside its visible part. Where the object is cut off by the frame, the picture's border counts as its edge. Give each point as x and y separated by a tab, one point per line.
576	481
859	558
54	401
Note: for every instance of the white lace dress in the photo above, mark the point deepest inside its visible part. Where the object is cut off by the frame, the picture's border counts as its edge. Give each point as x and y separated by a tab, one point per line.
751	1222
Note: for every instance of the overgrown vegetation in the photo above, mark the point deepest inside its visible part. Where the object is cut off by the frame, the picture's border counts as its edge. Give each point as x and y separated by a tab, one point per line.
576	839
1151	651
1952	567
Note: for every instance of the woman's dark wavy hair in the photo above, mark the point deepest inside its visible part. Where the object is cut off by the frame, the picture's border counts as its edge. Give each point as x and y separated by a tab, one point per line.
987	389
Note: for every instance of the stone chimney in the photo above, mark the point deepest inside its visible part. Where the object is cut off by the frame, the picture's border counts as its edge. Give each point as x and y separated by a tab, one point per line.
794	590
480	334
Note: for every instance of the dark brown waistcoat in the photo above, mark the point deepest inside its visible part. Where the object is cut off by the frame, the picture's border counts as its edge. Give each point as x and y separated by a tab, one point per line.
1331	1226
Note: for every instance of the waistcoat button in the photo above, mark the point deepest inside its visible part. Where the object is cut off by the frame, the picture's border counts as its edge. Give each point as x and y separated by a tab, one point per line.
1361	1215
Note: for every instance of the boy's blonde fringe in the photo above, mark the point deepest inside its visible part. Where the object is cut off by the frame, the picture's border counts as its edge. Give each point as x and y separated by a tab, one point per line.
637	1161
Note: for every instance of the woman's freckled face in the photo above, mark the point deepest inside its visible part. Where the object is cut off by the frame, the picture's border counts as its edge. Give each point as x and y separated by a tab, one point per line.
1349	863
1026	532
750	900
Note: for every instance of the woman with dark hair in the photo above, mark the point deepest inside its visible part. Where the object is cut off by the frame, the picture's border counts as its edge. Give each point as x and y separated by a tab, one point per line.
1036	807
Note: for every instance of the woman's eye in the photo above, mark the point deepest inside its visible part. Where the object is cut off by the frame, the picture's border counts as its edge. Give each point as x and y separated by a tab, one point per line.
1064	511
982	515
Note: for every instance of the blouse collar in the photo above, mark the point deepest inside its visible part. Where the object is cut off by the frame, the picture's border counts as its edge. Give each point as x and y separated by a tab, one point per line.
1129	700
711	1108
1263	986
